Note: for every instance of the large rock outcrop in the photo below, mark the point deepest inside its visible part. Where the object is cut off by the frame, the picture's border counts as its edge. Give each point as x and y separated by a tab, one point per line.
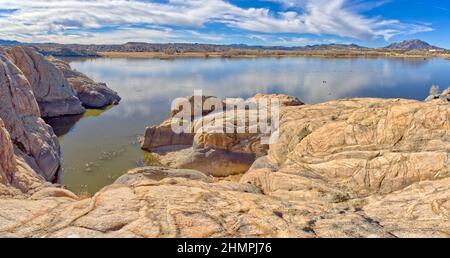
231	153
156	202
92	94
160	202
355	148
52	91
20	113
346	168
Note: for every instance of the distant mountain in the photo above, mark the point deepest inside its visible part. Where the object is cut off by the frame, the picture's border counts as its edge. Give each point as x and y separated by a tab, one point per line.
308	47
9	42
93	50
413	45
333	47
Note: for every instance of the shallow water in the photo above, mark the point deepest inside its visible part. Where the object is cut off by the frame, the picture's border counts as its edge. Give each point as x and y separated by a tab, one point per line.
100	146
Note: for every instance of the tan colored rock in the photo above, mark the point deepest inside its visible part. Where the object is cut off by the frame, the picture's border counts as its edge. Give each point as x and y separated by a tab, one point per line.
197	104
20	114
231	153
16	177
92	94
53	192
347	168
148	203
217	163
284	100
7	160
158	173
211	133
348	148
163	135
52	91
422	209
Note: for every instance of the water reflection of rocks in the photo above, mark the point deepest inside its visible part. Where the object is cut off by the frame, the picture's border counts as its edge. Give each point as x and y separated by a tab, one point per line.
63	125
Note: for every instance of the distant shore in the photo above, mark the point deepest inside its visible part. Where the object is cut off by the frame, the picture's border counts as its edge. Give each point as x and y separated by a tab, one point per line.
280	54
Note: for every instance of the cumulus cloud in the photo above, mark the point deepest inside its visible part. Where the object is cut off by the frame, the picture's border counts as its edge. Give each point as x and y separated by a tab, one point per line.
114	21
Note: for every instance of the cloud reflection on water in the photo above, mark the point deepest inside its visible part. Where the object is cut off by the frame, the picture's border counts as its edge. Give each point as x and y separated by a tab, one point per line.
145	83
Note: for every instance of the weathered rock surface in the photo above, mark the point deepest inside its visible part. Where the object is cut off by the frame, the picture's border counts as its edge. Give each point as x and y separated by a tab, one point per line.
52	91
16	176
230	153
359	147
30	135
152	203
213	162
346	168
156	202
285	100
92	94
7	160
162	135
420	209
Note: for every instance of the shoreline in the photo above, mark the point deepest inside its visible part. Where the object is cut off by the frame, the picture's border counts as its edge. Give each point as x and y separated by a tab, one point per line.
162	55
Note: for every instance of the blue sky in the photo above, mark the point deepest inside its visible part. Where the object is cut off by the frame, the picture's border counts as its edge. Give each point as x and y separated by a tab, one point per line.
258	22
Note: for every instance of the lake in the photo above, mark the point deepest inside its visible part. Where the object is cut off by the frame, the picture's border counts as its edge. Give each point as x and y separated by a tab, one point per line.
102	145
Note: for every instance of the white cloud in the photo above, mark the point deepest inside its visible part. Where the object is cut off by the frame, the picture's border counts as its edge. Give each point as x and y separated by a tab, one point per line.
114	21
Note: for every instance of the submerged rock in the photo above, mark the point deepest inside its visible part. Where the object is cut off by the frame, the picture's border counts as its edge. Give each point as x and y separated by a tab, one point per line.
92	94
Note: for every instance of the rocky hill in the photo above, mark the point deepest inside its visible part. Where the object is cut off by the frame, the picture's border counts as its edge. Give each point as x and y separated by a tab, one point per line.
9	42
412	45
232	50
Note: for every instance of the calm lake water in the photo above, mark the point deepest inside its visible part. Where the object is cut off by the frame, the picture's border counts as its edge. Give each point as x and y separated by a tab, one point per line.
100	146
